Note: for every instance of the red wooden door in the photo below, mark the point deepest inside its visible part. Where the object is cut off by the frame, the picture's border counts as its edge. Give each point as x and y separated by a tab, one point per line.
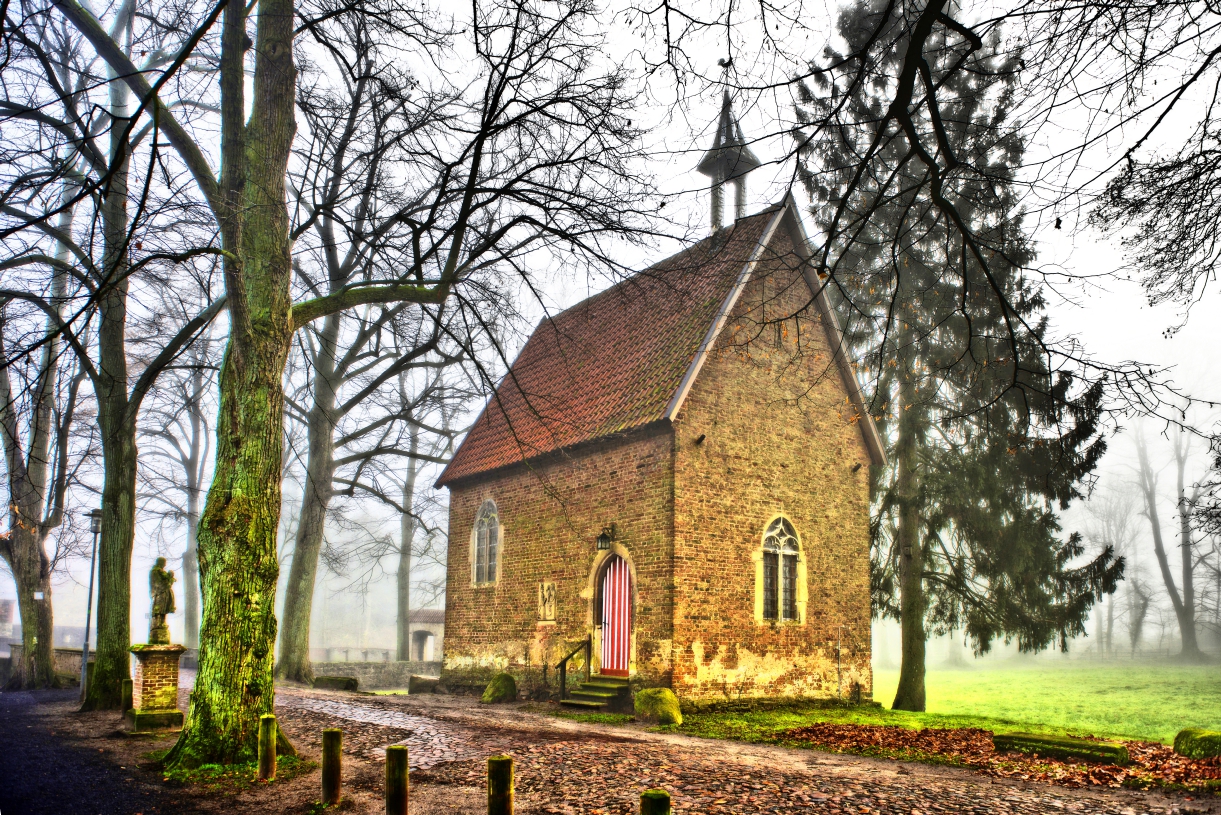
616	617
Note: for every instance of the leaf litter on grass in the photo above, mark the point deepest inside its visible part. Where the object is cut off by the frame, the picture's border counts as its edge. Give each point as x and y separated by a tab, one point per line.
1152	764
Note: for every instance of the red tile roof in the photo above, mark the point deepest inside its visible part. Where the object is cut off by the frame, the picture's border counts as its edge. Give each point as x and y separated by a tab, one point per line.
611	363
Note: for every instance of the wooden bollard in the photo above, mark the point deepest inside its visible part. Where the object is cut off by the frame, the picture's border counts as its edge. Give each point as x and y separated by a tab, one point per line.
267	747
396	780
125	691
500	785
332	757
654	802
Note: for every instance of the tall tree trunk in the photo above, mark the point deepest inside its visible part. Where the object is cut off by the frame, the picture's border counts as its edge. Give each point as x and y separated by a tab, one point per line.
25	550
1187	620
195	466
32	573
910	693
113	658
238	563
1148	485
406	540
190	575
316	495
1111	626
115	420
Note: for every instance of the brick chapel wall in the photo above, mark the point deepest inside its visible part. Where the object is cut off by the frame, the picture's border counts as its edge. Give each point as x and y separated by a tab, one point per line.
766	454
551	516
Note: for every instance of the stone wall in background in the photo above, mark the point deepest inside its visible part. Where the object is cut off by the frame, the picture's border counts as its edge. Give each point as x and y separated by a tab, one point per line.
378	675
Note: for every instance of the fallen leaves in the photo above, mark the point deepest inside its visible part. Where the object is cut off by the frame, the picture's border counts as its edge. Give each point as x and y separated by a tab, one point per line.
1152	764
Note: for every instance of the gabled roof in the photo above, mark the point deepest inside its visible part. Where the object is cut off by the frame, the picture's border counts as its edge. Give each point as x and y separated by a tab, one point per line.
626	358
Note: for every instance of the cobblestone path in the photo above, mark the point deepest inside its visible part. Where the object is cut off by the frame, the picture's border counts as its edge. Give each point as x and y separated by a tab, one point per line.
431	742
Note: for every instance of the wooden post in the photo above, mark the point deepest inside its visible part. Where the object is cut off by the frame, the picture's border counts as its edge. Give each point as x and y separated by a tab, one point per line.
125	689
332	757
396	780
267	747
654	802
500	785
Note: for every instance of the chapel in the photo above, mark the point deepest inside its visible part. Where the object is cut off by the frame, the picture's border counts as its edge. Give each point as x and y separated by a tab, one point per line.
677	469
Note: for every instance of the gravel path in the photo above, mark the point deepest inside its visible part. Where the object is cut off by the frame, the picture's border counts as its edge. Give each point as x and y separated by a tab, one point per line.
577	769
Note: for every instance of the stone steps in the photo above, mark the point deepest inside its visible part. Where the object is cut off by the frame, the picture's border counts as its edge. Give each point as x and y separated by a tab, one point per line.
601	694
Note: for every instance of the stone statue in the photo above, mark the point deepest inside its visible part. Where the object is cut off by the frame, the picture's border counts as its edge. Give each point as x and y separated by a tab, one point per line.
161	587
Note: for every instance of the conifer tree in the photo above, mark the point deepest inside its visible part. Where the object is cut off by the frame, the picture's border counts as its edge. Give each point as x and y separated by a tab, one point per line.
985	439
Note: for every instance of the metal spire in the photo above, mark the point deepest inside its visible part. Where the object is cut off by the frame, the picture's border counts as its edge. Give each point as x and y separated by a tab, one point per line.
728	160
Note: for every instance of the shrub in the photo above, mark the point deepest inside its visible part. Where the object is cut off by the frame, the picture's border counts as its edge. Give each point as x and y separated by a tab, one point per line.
1195	742
502	688
658	705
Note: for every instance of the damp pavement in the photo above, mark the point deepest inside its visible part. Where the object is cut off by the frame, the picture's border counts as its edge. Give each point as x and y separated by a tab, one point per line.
40	774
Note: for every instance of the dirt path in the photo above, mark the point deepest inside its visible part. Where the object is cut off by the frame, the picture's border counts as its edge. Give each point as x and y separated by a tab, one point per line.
561	767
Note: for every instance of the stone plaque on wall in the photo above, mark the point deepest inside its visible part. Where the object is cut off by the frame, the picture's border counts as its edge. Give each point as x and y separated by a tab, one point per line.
546	601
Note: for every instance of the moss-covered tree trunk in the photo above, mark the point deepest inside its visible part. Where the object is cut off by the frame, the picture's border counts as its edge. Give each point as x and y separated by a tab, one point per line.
32	573
117	423
910	693
294	663
238	566
114	633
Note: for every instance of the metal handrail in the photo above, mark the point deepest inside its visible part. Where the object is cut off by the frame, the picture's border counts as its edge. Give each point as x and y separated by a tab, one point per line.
562	667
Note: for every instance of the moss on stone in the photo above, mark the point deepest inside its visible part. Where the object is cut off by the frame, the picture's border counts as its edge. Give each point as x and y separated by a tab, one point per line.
658	705
1195	742
502	688
1063	747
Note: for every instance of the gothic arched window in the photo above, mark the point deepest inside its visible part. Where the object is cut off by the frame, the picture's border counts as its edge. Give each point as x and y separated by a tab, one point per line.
485	543
780	552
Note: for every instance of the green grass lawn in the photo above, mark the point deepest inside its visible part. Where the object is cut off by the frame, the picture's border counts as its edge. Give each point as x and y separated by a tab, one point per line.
1137	701
1134	700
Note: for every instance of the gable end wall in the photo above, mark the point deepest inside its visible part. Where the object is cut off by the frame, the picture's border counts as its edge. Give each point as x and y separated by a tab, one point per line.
766	452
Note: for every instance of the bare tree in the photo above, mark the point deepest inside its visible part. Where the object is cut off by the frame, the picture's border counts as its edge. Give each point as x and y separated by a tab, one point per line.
80	162
39	411
174	468
532	160
1113	526
1182	597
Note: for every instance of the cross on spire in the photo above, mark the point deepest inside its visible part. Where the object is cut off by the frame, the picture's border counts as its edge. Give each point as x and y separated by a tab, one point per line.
728	160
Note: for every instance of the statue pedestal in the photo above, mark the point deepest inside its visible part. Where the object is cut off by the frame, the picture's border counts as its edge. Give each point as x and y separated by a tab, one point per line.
154	693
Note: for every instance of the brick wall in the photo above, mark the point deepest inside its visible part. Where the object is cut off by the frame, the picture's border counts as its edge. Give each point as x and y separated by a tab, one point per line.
551	515
779	439
155	686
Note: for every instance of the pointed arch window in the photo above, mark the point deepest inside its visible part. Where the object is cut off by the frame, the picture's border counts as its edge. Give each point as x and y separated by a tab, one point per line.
485	543
780	552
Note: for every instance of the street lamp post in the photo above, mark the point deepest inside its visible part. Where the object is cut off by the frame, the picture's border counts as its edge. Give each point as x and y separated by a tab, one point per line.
95	526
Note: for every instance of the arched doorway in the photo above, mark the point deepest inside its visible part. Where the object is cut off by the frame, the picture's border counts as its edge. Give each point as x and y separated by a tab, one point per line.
615	616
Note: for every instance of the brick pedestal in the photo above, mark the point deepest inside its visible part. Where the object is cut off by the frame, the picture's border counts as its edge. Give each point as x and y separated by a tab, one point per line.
154	693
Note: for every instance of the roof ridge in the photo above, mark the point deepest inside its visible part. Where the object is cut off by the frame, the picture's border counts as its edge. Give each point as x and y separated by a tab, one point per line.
619	284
